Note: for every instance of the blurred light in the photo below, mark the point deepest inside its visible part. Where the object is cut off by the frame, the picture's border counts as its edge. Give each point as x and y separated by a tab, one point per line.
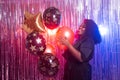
50	60
48	50
52	32
103	30
79	7
67	34
54	16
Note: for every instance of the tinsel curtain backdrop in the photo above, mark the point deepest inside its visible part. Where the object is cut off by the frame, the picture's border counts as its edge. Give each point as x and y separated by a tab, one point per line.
17	64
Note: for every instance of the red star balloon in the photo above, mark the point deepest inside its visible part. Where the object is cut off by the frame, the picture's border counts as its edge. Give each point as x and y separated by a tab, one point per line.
35	43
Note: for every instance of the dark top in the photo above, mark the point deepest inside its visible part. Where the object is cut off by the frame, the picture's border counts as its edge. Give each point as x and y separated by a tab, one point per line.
74	69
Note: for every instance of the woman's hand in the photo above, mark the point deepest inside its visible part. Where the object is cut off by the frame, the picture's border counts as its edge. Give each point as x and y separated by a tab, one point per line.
63	40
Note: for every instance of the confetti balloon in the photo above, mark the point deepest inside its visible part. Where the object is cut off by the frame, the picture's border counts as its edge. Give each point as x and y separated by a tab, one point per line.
35	43
48	65
51	17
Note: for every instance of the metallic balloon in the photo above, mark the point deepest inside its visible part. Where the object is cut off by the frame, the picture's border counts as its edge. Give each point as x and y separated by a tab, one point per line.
51	17
48	64
33	22
35	43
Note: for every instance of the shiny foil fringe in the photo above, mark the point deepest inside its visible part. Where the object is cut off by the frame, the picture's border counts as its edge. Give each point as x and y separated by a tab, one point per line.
17	64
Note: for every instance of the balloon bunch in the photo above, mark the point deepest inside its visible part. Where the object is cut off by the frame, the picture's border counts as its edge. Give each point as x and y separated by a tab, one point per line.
37	43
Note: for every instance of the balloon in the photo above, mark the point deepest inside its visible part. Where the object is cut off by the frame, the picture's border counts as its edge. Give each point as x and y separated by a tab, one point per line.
33	22
50	49
27	29
64	32
48	65
28	15
35	43
39	23
51	17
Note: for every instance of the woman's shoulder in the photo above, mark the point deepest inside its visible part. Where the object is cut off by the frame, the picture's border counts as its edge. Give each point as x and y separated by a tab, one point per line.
87	39
88	43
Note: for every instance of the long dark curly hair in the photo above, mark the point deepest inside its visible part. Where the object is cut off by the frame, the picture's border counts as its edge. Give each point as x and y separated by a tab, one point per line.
92	30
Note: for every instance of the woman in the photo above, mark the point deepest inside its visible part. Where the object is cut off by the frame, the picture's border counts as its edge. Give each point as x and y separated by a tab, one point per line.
77	56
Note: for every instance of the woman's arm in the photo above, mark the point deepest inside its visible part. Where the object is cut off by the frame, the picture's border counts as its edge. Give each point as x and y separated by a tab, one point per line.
74	51
84	52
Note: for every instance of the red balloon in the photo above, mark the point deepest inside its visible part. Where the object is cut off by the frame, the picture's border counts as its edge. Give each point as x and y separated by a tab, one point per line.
50	49
65	32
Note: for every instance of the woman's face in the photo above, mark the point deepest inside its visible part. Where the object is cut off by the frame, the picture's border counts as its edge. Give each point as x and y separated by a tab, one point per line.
81	29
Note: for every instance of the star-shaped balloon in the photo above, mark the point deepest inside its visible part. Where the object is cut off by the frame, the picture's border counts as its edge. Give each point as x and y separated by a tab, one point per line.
33	22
